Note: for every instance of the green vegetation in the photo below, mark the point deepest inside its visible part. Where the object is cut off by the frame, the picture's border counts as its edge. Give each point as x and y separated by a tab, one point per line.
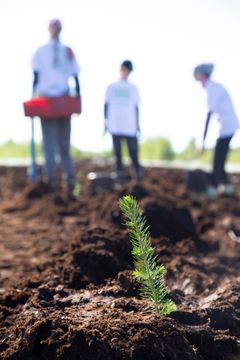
78	185
189	153
78	154
147	272
10	149
151	149
159	148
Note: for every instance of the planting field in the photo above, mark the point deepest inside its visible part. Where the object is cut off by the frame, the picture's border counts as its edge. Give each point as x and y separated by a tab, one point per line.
66	287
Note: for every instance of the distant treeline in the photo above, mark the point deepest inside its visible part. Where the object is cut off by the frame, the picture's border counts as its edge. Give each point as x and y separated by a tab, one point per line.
151	149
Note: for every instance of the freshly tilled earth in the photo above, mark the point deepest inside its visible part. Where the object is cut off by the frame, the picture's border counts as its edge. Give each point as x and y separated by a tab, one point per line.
66	286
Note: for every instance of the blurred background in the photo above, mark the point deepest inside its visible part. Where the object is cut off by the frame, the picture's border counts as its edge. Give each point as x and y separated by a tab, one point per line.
164	39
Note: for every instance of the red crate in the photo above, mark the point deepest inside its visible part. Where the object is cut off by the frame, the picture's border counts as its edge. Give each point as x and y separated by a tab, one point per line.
52	107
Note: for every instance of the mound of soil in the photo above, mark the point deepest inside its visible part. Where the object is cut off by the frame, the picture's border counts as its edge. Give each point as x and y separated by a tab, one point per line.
66	285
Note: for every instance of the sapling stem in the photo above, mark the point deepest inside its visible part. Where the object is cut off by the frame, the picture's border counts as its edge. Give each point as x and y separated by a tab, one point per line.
147	272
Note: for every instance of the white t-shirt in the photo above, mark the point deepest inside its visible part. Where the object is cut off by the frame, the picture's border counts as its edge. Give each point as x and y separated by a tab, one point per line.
122	98
219	102
55	64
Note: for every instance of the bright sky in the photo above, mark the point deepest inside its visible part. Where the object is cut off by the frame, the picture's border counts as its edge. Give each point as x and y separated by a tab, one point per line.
165	39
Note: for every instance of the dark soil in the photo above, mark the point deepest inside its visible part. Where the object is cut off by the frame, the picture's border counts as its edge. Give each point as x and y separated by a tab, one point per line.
66	289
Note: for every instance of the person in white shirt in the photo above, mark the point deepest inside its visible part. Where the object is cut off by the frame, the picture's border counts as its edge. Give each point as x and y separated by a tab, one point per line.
53	65
219	103
121	112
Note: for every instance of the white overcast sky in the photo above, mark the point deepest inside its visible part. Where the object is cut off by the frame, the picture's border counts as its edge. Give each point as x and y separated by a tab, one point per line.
165	39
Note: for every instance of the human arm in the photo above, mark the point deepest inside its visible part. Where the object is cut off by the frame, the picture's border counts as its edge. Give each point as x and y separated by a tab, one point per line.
215	94
137	119
77	84
106	110
137	113
35	81
75	69
107	103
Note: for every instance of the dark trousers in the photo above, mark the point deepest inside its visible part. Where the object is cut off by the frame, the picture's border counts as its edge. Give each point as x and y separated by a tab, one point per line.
219	175
132	144
56	142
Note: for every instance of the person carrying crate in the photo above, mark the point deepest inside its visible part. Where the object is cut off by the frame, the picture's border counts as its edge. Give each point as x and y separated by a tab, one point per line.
219	103
53	65
121	112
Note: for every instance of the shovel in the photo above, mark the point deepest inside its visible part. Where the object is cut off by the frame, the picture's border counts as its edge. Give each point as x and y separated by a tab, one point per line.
32	170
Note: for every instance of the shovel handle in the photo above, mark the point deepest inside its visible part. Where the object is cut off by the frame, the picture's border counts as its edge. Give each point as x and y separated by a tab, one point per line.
32	171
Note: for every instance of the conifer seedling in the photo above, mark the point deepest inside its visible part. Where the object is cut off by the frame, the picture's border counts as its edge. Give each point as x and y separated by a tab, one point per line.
147	272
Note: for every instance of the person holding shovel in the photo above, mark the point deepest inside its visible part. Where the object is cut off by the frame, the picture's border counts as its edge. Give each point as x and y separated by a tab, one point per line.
219	103
53	65
121	112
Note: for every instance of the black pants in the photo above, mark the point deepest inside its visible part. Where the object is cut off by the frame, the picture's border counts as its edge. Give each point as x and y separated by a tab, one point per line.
219	175
132	143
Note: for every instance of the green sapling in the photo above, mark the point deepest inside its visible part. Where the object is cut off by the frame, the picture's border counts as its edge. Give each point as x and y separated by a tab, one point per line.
148	273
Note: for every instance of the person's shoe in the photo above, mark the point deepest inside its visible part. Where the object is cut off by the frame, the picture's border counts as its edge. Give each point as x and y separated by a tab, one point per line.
120	176
226	189
54	185
140	172
211	192
71	188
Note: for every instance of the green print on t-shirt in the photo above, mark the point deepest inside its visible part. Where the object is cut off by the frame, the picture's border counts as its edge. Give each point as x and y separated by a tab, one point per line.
122	93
